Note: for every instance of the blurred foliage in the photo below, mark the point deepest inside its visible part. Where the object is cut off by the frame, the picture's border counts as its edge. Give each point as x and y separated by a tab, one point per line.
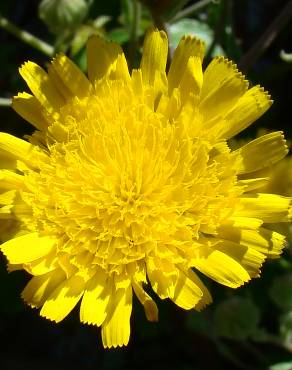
250	328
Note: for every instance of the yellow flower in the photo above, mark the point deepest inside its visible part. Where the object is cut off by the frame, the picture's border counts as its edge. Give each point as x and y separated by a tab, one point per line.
128	181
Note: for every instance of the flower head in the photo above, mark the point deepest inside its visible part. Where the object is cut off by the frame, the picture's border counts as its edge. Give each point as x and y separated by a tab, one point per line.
128	181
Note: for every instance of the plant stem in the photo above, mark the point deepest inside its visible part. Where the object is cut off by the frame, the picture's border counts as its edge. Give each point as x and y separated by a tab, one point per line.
5	102
134	32
266	38
190	10
26	37
219	28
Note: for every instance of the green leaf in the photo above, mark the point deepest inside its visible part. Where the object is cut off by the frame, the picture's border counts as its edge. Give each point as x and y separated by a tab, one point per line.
236	318
280	292
195	28
80	38
85	31
81	59
286	329
281	366
118	35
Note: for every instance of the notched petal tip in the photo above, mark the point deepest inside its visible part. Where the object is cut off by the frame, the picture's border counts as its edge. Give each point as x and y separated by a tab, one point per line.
203	303
189	46
154	57
47	316
114	345
25	65
101	57
233	68
154	29
195	43
262	97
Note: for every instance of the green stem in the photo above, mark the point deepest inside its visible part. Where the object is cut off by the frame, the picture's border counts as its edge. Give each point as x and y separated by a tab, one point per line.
219	30
5	102
266	39
26	37
190	10
134	32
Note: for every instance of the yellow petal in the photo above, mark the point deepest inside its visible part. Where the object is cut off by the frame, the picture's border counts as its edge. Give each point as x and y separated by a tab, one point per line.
29	108
154	55
192	78
267	207
101	57
170	107
188	47
267	242
261	152
41	86
8	197
40	287
7	163
251	259
206	298
253	184
11	180
277	242
253	104
95	300
14	147
42	265
6	212
71	76
59	84
64	261
223	85
27	248
187	294
220	267
115	330
162	276
137	81
63	299
150	308
121	71
249	223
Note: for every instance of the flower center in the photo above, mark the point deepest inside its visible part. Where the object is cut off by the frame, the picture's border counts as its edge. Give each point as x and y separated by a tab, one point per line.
123	182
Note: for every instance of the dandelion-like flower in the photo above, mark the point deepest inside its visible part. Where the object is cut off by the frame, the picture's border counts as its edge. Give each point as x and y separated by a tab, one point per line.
128	182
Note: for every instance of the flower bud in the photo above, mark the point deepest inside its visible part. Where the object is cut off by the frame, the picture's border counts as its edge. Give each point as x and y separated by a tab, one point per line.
60	15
